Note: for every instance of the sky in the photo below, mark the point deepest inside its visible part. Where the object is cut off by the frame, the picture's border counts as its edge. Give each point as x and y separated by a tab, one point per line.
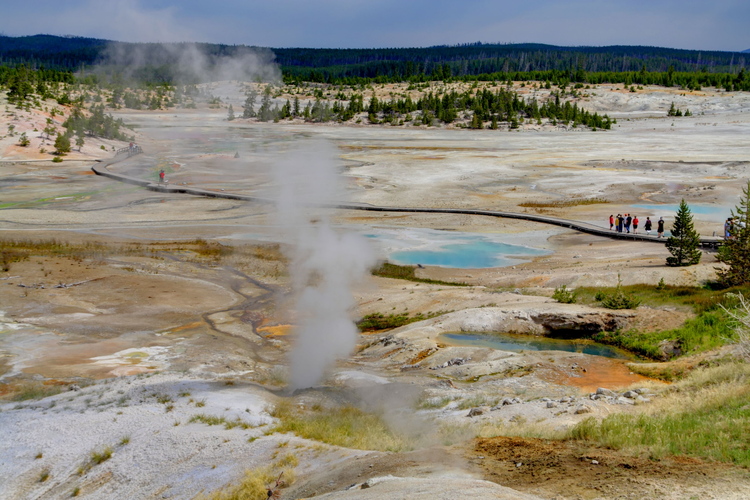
685	24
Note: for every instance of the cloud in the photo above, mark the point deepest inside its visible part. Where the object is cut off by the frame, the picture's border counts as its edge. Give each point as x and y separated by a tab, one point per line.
717	25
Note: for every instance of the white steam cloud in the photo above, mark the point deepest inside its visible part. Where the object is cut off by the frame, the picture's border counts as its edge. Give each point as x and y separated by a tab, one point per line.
192	62
325	263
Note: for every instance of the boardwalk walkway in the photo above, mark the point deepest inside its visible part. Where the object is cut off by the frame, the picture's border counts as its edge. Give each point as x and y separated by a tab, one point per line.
584	227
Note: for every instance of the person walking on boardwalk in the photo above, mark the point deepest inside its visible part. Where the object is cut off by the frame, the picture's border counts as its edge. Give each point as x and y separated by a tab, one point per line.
635	224
618	221
611	222
660	227
647	225
161	176
728	229
628	220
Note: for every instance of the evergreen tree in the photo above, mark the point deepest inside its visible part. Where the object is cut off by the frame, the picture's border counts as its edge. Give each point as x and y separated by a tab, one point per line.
265	112
735	252
230	113
62	144
248	109
683	244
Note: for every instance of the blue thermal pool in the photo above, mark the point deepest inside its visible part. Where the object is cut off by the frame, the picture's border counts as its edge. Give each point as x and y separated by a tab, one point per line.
509	342
706	211
455	250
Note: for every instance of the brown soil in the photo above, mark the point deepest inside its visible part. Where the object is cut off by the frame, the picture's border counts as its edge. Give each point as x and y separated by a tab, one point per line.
566	469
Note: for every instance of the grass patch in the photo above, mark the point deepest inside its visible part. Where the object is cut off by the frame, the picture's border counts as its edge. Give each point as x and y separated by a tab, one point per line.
31	390
394	271
707	416
698	299
707	331
379	321
256	484
216	420
563	203
434	403
348	427
96	457
713	326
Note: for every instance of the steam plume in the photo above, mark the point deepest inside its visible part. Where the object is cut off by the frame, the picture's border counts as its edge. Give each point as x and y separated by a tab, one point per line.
325	263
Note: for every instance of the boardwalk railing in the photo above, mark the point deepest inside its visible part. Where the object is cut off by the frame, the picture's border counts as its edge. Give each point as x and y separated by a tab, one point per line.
584	227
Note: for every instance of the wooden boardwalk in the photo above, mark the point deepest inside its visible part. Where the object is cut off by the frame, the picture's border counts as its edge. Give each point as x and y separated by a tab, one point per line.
584	227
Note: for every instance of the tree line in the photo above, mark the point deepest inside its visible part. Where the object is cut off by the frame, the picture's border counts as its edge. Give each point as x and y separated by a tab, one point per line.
485	62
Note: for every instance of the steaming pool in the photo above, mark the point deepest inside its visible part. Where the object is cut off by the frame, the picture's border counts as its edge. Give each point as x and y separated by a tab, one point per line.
516	343
459	250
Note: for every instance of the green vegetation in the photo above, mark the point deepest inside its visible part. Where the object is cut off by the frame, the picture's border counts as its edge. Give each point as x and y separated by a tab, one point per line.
215	420
96	457
618	299
735	252
564	203
712	327
33	390
378	321
394	271
683	244
563	295
348	427
707	331
706	415
260	483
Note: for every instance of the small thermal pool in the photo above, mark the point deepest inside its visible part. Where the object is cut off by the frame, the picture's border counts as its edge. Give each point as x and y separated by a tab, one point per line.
510	342
457	250
701	211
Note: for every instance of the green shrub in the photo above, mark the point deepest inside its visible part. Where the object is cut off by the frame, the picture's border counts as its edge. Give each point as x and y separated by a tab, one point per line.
563	295
618	299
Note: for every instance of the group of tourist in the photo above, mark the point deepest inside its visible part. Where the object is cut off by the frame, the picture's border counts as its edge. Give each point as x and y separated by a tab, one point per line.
731	224
623	223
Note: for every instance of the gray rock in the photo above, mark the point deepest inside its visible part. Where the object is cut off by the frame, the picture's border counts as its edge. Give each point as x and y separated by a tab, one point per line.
631	394
551	404
642	400
624	401
605	392
582	409
479	410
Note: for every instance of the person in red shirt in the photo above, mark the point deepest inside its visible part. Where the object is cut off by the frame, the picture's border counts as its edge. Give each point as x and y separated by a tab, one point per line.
161	176
611	222
635	224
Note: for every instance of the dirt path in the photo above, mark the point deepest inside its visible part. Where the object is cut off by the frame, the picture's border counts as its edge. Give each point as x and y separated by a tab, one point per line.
569	470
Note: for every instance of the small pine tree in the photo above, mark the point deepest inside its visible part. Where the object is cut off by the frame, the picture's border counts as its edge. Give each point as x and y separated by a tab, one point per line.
683	244
230	113
24	140
735	252
62	144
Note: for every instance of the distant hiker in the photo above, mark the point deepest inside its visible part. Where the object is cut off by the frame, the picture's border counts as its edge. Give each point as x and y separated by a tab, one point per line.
628	220
619	223
611	222
660	227
647	225
728	228
161	176
635	224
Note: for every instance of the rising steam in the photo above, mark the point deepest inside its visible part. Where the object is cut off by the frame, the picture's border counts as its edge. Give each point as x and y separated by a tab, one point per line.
191	62
325	263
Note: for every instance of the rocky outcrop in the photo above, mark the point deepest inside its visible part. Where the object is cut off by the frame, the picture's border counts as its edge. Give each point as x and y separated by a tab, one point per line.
547	319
